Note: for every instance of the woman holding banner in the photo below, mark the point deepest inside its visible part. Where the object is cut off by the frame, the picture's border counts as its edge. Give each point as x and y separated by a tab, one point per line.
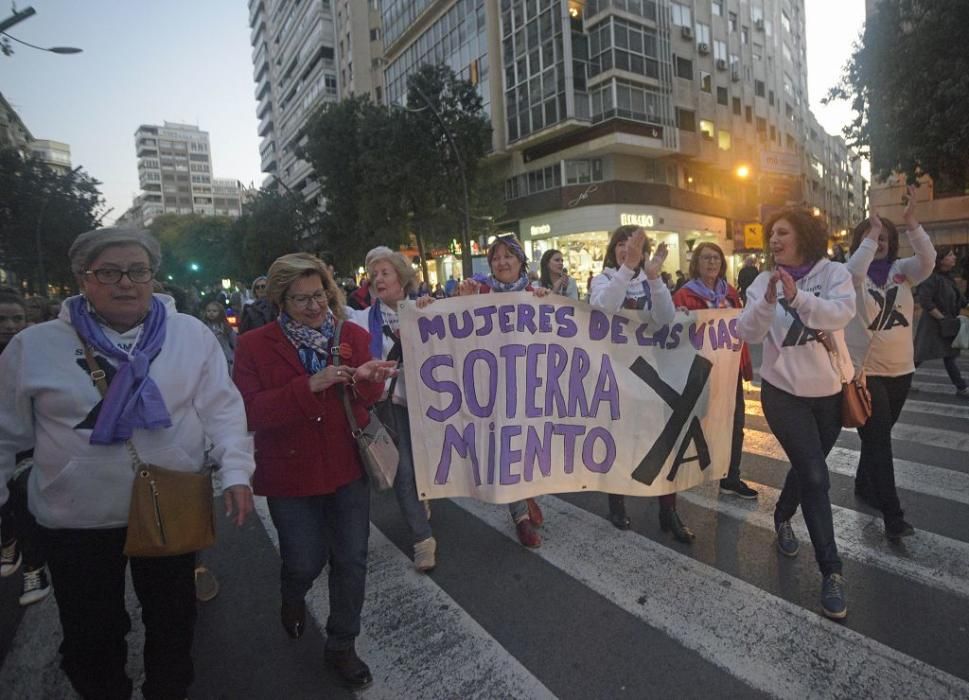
392	280
799	310
708	289
509	273
626	283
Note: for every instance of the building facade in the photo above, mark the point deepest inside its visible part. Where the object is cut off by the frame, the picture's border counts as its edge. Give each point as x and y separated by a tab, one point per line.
174	170
54	154
682	117
13	132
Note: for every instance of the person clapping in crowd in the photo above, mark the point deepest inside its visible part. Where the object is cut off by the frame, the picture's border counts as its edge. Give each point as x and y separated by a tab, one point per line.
631	280
798	310
307	463
941	302
880	341
553	276
170	396
708	289
393	280
509	273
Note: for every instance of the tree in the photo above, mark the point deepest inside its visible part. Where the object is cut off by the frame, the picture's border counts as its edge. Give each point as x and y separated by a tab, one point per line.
41	213
908	84
273	223
198	249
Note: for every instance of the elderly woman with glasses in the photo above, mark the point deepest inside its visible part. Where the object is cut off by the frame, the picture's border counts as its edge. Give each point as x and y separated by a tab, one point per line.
307	463
170	396
707	288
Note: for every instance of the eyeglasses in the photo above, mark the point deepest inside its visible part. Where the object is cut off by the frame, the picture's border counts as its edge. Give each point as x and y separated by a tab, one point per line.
710	258
260	286
305	299
111	275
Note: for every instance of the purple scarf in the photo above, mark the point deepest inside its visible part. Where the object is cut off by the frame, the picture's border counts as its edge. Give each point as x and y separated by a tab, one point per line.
715	297
516	286
375	323
798	271
879	269
133	400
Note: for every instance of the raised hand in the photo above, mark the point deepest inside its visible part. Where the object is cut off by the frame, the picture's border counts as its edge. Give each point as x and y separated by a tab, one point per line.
877	227
787	284
908	215
634	249
655	265
468	287
770	294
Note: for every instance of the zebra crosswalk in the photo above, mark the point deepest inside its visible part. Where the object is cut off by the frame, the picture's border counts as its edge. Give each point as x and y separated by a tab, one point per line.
596	612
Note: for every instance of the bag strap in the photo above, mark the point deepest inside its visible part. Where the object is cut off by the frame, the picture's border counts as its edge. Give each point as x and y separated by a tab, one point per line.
828	342
348	409
100	380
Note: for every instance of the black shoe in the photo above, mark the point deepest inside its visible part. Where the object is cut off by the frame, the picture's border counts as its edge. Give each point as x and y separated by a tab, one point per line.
895	530
354	672
737	488
620	520
669	521
293	617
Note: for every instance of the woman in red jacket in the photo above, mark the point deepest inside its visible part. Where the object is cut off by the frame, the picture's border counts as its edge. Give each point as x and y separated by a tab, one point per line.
509	273
307	464
708	289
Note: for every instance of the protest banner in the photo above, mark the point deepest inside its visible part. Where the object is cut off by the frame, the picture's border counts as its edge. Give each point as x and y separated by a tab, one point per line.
512	396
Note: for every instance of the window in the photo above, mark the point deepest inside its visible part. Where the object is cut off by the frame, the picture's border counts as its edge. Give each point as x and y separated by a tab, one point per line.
702	33
748	114
761	124
732	21
681	15
718	8
684	68
736	105
580	172
707	130
759	88
722	98
745	35
770	97
720	50
785	21
788	84
758	51
706	82
723	140
686	120
773	133
786	50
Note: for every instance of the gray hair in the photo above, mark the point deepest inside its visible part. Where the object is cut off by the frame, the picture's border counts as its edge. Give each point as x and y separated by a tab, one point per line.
405	273
88	246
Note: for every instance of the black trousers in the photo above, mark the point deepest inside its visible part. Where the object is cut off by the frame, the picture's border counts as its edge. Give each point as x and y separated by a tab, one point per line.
876	468
88	574
17	523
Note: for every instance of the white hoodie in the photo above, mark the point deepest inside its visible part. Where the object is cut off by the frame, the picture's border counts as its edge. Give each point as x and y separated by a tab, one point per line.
46	392
892	351
610	289
794	360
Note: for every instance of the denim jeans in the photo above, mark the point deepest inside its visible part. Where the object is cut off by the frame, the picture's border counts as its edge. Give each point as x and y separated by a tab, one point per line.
807	428
315	530
88	574
405	485
876	468
952	369
737	439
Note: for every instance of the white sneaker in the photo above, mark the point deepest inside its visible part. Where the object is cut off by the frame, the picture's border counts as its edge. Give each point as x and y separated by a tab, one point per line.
36	586
9	559
424	554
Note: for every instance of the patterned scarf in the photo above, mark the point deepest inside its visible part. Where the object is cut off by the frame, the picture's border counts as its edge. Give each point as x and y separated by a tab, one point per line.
516	286
312	346
716	298
133	400
879	269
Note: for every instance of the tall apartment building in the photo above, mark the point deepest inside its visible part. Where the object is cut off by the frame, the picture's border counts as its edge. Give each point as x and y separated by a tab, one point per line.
13	132
174	170
635	111
54	154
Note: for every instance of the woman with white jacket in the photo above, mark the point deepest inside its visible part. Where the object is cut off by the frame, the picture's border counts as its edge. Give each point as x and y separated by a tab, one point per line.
880	341
797	311
631	280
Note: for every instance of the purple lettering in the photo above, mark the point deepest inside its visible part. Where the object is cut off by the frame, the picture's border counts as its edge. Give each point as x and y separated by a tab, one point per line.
470	390
464	330
606	393
570	433
712	332
723	334
588	450
508	455
567	325
526	318
642	339
618	323
505	324
738	343
545	317
532	379
445	387
598	325
673	341
464	446
538	449
487	313
491	453
580	368
558	360
696	335
430	326
511	353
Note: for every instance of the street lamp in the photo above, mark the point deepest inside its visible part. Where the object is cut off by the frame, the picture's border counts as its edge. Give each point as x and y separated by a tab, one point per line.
18	17
743	172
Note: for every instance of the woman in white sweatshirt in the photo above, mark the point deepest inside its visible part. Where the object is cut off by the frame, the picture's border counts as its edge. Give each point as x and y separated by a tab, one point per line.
880	340
631	280
797	308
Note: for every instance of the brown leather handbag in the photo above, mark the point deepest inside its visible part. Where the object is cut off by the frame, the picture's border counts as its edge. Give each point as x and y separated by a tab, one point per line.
171	511
855	397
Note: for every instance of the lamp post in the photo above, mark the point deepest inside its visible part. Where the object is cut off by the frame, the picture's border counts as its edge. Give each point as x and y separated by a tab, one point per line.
20	16
466	266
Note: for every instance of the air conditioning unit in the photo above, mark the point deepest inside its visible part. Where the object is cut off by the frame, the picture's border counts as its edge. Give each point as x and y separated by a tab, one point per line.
721	64
686	32
759	25
703	48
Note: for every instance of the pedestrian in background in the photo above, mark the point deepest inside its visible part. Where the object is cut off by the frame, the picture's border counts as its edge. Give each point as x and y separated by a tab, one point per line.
171	397
879	339
38	309
748	273
941	303
708	289
802	303
259	311
553	276
215	320
307	462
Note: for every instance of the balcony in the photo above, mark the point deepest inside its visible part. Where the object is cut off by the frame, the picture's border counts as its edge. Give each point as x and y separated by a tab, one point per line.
262	88
264	106
266	124
255	10
147	148
269	161
260	62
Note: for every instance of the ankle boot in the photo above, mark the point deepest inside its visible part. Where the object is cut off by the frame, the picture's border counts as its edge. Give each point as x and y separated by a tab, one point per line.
669	521
617	512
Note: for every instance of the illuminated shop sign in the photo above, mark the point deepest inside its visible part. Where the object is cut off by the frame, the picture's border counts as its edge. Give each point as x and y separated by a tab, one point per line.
541	230
644	220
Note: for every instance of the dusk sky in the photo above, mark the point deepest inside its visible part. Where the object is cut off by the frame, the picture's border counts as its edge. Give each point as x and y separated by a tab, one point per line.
190	62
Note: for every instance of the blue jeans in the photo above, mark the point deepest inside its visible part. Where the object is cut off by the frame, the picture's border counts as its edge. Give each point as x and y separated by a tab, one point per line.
405	485
316	530
807	428
952	369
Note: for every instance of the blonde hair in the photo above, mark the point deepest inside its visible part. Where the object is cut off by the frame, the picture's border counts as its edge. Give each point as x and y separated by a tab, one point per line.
286	269
405	273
